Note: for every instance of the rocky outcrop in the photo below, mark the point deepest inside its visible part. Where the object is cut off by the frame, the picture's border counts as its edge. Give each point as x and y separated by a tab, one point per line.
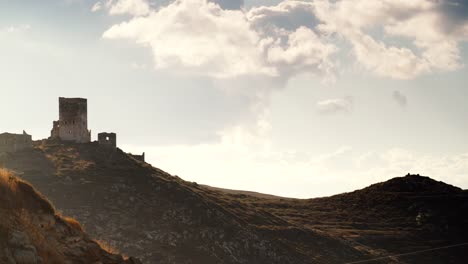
31	232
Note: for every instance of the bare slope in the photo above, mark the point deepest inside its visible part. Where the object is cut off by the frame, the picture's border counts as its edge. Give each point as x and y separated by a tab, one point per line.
160	218
32	233
402	215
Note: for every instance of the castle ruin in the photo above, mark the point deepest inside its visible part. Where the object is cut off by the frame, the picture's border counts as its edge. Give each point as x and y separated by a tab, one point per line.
15	142
72	126
73	121
107	139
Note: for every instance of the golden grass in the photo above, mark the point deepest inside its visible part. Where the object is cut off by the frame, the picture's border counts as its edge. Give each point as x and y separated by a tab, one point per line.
106	246
19	202
73	223
22	208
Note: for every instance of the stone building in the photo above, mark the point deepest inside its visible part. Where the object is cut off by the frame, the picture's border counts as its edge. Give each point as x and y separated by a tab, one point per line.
73	121
107	139
15	142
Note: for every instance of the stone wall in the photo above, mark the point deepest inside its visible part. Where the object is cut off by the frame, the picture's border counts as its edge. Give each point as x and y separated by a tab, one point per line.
14	142
107	139
138	157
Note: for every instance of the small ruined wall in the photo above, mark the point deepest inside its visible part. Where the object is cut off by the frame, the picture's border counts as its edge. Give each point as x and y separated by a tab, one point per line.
14	142
138	157
107	139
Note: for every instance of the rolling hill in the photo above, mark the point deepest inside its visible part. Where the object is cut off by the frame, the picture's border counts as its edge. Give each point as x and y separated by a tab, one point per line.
145	212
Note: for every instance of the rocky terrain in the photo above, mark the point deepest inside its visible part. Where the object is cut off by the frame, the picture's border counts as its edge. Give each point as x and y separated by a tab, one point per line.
159	218
32	233
423	219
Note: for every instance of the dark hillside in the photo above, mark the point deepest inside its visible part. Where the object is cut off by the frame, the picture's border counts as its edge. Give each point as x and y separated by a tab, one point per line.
402	215
32	233
145	212
160	218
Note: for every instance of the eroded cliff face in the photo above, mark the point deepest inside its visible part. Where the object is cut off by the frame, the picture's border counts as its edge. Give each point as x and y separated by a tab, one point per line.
159	218
32	233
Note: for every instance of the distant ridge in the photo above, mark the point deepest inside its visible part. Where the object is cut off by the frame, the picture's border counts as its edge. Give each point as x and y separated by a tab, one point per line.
414	183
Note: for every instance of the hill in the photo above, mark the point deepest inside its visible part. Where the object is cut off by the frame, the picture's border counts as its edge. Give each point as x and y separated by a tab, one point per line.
145	212
159	218
31	232
403	215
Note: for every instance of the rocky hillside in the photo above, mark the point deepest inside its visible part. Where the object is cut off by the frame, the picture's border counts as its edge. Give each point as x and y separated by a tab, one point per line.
423	219
159	218
32	233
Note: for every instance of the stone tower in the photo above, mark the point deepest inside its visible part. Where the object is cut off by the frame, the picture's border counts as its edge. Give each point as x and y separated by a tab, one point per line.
73	121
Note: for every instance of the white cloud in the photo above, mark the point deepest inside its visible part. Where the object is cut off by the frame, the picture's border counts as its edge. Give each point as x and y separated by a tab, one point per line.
337	105
96	7
132	7
15	28
394	62
123	7
199	37
434	48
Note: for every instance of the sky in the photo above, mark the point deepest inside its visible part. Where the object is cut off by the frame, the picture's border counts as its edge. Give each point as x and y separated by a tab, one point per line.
293	98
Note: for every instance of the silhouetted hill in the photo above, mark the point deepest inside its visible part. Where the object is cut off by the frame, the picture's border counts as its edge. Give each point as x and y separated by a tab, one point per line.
413	184
32	233
402	215
145	212
159	218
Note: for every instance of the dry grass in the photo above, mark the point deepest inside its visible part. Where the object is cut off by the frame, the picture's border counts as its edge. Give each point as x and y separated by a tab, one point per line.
106	246
73	223
20	202
23	209
17	194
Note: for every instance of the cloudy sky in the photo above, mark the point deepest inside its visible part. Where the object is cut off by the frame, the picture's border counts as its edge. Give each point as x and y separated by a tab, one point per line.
294	98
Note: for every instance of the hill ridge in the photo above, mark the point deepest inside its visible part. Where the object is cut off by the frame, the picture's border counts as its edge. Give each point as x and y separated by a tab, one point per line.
160	218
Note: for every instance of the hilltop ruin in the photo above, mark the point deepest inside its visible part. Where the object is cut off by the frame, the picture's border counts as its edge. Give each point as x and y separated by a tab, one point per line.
15	142
72	126
73	121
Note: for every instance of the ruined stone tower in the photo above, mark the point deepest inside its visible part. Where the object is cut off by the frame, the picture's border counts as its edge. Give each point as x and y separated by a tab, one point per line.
73	121
107	139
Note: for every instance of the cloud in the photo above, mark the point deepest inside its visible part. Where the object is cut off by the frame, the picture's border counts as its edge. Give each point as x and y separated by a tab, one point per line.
434	47
394	62
123	7
132	7
454	15
15	28
199	37
287	15
400	98
96	7
417	37
332	106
